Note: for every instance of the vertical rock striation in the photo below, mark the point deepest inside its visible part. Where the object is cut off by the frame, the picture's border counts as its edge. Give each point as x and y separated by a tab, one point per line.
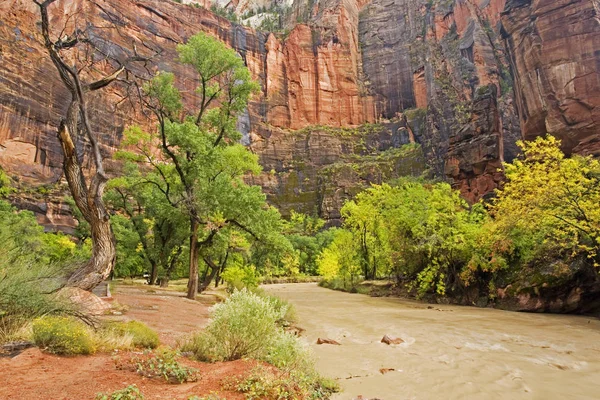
554	49
465	79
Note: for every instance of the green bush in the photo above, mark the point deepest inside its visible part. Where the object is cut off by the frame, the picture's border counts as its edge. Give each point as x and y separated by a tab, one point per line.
163	363
209	397
286	352
247	325
242	326
265	383
142	335
286	311
32	267
131	392
63	335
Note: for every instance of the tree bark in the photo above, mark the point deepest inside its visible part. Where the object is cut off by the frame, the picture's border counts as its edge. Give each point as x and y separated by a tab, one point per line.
214	269
88	197
192	288
153	273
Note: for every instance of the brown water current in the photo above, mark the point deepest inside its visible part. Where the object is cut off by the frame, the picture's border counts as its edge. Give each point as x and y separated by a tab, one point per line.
449	352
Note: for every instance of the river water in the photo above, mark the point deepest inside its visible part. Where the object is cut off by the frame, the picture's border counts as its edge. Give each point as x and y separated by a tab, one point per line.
449	352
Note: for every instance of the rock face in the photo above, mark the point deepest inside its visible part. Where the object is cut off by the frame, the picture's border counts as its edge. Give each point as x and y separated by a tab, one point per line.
342	92
554	46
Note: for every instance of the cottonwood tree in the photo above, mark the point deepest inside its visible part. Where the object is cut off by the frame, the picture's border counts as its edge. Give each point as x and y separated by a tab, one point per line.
76	57
160	231
201	165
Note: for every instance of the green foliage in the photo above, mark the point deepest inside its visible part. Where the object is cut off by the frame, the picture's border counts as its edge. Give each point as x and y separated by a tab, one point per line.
247	325
63	335
308	238
32	268
242	326
417	232
536	232
546	210
5	184
238	277
142	335
224	12
131	392
151	235
340	260
130	259
162	363
265	383
199	174
283	308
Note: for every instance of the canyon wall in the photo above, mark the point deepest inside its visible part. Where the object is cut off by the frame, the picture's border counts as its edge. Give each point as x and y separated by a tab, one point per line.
342	91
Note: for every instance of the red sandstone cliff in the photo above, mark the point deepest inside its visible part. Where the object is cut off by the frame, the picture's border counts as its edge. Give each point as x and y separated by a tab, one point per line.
461	77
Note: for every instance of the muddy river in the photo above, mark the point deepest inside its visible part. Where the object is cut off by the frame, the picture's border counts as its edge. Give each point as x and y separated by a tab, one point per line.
449	352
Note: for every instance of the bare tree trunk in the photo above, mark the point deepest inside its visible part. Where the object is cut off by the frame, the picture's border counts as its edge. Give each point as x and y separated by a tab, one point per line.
153	273
214	269
90	203
88	197
193	280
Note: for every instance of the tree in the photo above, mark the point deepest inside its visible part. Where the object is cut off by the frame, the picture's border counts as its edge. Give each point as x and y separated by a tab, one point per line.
201	166
363	219
422	233
340	260
80	80
147	224
549	204
307	236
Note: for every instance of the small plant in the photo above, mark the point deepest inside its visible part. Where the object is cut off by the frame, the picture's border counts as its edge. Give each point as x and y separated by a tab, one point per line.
142	335
267	383
63	335
163	363
211	396
108	340
131	392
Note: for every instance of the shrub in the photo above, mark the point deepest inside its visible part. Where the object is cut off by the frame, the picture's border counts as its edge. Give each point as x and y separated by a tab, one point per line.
246	325
242	326
264	383
285	310
163	363
131	392
33	265
211	396
286	352
108	340
142	335
63	335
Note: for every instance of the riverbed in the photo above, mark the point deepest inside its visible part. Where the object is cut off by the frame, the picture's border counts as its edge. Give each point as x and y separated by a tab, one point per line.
449	352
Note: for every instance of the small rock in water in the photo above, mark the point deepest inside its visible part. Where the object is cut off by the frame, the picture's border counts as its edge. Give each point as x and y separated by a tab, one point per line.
328	341
364	398
389	340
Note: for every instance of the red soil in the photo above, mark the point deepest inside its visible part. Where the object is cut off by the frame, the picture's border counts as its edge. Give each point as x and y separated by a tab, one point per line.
34	375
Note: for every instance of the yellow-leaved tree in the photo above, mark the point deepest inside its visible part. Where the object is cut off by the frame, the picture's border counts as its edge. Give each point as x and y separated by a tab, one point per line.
550	203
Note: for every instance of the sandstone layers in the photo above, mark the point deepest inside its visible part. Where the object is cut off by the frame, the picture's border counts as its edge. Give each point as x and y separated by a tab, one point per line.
464	78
